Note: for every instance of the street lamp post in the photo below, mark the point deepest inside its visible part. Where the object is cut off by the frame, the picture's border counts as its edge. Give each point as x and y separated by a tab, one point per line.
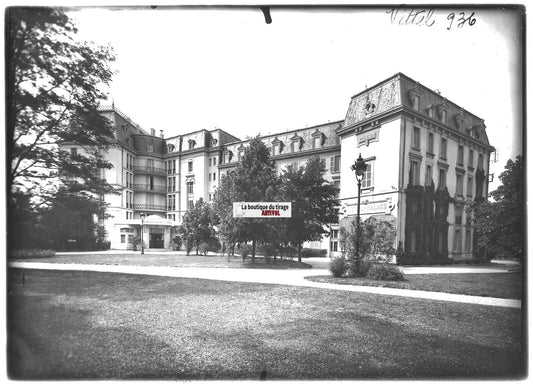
142	233
359	167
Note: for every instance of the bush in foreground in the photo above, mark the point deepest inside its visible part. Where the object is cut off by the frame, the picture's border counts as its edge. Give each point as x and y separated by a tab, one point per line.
384	272
337	267
30	253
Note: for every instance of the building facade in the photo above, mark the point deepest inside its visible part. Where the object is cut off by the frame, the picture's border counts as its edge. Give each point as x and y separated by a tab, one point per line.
428	161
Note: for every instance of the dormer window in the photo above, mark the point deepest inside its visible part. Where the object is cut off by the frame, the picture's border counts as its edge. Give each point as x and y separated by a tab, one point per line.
149	148
277	146
416	103
240	152
442	110
192	143
296	143
170	148
228	155
430	111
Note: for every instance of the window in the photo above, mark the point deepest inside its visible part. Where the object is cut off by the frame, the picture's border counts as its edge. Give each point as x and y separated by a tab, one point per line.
73	151
151	182
334	246
189	166
190	188
215	161
210	161
192	143
458	215
416	103
469	186
414	172
368	176
275	150
174	166
214	176
442	178
416	138
190	204
468	238
122	238
459	184
443	116
480	161
460	155
430	143
335	163
317	142
149	148
429	175
337	185
457	243
295	146
335	233
443	148
471	158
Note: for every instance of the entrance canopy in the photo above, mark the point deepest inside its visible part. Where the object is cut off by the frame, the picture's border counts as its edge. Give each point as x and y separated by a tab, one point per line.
150	220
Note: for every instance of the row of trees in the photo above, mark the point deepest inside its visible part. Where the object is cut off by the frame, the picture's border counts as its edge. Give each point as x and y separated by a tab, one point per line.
313	200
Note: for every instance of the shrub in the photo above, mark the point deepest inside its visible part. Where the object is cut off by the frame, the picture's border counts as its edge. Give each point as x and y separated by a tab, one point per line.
30	253
245	251
384	272
313	252
212	246
266	250
337	266
177	242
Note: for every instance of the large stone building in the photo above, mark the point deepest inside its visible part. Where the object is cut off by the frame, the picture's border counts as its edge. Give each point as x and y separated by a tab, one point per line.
428	160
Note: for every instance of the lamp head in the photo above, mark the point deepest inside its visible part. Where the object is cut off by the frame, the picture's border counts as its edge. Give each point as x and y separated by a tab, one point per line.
359	167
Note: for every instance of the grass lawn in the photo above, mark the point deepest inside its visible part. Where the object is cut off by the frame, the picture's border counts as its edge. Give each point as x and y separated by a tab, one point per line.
497	285
177	260
88	325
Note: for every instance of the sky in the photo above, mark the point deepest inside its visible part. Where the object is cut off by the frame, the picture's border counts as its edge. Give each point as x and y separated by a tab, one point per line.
180	70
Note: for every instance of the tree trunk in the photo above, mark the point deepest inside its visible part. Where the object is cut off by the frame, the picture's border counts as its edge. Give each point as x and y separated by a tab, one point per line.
253	251
299	252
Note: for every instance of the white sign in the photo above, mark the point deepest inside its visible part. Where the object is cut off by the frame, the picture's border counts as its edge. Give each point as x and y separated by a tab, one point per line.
262	209
377	207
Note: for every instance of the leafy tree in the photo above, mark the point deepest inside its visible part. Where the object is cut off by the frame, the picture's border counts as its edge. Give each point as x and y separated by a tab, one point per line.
53	90
197	227
314	203
500	224
377	237
254	180
54	87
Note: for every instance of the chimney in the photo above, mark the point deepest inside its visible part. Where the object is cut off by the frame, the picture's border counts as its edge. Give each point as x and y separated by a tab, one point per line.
152	131
161	133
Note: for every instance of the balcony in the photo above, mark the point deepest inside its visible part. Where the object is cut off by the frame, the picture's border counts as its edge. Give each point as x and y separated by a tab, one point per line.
150	206
150	188
150	170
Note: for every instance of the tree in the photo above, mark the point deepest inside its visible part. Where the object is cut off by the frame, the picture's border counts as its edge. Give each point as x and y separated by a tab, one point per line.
314	203
197	227
254	180
500	224
377	238
54	87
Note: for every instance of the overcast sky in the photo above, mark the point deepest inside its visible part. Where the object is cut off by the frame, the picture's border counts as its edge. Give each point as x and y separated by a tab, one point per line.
183	70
